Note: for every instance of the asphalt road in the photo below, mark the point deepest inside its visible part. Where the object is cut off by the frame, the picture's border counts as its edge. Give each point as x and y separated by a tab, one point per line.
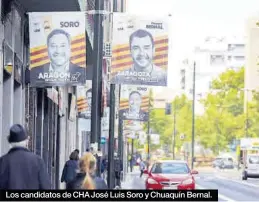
229	188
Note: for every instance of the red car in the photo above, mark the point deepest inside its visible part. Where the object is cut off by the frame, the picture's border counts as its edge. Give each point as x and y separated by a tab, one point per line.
170	175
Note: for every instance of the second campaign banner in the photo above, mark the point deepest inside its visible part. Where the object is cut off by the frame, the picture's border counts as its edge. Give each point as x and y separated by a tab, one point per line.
84	100
57	48
139	50
134	103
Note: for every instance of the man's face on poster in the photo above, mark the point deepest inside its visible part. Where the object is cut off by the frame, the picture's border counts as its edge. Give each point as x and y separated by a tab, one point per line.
142	51
135	102
59	50
89	99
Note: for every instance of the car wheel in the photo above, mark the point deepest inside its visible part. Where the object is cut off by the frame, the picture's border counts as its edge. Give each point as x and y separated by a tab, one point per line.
244	177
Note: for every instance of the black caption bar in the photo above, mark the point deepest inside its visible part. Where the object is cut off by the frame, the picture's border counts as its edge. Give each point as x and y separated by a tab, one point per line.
107	195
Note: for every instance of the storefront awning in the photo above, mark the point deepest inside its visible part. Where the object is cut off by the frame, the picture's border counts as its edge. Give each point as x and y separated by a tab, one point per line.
49	5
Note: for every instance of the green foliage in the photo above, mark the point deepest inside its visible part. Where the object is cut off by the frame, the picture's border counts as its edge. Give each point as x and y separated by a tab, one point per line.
223	120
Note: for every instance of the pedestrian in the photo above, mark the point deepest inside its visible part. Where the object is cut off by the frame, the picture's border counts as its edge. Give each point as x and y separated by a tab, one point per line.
86	178
70	168
142	167
77	151
20	168
104	166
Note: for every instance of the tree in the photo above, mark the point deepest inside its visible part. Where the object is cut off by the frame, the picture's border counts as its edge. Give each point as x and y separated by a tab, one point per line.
223	120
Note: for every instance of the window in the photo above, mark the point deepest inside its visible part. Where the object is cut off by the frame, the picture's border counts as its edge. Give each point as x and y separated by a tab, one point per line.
217	59
254	160
18	34
170	168
239	58
8	29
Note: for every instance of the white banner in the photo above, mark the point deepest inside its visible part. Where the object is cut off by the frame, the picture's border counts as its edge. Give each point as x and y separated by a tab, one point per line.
139	50
57	48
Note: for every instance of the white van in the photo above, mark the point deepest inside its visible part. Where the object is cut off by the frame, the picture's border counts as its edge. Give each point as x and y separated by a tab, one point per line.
252	167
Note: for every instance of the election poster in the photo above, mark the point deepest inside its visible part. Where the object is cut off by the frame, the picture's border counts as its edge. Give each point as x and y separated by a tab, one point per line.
139	50
132	129
134	103
84	100
57	48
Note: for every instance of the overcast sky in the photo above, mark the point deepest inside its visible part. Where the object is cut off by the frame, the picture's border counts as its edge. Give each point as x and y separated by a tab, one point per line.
193	20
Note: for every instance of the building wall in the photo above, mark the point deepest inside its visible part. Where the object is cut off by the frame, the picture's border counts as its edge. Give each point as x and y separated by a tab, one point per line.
12	102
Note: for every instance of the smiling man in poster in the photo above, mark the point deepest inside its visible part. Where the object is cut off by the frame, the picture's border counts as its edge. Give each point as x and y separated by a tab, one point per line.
134	112
57	49
143	70
60	67
139	50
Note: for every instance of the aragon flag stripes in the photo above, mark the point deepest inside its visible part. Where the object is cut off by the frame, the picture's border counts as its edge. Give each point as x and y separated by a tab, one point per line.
121	58
81	104
124	103
39	55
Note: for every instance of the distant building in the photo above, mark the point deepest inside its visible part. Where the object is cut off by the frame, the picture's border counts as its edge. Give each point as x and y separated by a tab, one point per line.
161	96
214	56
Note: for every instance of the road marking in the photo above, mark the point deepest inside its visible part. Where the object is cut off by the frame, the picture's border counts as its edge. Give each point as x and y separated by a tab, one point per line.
240	182
220	196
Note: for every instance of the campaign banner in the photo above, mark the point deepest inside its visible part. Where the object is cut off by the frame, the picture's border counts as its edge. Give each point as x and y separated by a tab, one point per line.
139	50
57	48
134	103
132	128
84	100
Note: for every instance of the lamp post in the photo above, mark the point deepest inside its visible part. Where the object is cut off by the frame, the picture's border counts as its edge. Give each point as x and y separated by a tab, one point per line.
193	113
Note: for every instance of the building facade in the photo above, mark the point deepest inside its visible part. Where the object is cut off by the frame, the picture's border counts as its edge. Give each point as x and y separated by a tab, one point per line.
48	114
214	56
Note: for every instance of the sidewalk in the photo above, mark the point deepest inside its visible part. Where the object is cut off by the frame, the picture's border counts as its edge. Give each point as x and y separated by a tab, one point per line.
132	180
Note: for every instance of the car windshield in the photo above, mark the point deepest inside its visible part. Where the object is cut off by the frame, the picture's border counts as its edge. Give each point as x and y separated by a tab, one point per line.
254	160
170	168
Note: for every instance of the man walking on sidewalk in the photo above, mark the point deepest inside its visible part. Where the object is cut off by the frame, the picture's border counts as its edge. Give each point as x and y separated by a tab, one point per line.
20	168
142	167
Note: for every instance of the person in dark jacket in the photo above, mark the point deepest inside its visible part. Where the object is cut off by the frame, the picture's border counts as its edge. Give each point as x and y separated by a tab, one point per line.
70	168
86	178
20	168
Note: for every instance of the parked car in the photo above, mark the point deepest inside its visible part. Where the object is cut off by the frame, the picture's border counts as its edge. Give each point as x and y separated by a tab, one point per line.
170	174
223	163
217	163
227	163
252	167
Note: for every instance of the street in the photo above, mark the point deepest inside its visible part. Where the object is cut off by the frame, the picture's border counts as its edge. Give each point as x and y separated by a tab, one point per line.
230	188
229	184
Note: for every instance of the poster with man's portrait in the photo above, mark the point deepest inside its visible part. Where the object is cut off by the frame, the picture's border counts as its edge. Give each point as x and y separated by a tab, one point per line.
134	103
84	100
139	50
57	48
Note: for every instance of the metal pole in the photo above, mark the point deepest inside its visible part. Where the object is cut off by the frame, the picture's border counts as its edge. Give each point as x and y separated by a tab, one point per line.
111	174
174	137
132	152
193	113
120	135
246	134
148	132
128	154
97	81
